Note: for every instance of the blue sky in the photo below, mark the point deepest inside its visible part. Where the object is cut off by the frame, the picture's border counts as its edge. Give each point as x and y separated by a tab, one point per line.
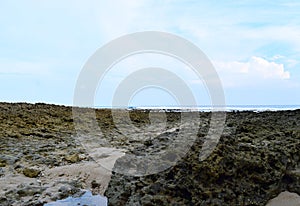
254	46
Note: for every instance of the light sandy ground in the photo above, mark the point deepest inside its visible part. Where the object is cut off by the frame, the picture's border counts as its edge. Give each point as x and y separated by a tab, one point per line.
99	171
53	179
106	157
285	199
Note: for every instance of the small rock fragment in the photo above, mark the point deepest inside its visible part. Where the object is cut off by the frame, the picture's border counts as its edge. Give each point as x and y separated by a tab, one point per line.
31	172
73	158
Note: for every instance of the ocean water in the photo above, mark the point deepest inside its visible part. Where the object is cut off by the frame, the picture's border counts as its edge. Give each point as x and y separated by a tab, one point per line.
86	199
208	108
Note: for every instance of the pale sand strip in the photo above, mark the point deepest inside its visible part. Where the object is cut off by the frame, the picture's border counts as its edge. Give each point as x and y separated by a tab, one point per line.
99	171
57	177
285	199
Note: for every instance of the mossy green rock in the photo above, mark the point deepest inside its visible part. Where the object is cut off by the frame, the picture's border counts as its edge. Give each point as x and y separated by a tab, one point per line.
73	158
31	172
2	163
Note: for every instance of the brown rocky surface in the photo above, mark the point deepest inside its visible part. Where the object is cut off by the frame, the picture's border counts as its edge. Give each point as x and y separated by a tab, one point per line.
41	159
257	158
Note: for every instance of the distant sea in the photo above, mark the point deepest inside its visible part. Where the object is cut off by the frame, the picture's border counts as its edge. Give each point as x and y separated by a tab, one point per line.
207	108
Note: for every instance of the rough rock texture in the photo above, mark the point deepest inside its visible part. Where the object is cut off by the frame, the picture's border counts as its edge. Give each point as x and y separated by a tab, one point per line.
257	158
31	172
42	159
37	152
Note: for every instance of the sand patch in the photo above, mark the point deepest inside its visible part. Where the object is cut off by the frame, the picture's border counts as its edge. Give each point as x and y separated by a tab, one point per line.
286	199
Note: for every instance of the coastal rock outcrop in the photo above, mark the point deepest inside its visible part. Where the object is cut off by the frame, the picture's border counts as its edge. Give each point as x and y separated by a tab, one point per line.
42	160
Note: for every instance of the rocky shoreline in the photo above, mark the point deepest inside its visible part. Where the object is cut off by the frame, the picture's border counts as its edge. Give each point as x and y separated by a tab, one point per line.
41	159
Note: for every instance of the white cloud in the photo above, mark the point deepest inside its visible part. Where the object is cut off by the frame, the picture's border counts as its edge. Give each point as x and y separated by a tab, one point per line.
268	70
250	73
